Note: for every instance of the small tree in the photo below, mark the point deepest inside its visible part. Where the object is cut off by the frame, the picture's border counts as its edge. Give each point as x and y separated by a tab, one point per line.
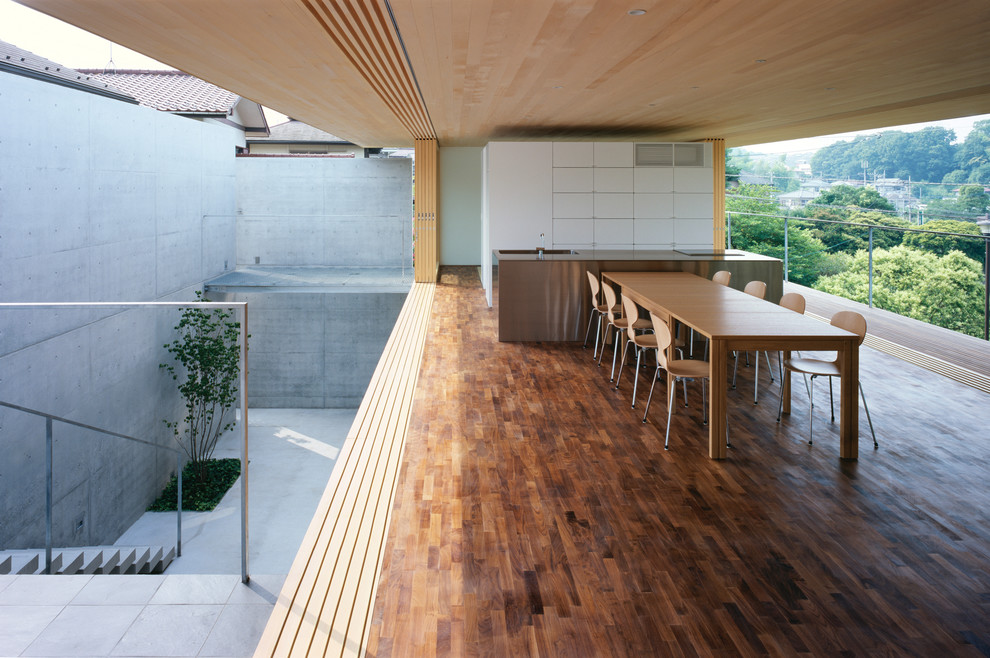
207	351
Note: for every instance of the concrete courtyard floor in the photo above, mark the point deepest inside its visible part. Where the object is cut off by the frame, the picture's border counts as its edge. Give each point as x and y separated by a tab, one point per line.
199	607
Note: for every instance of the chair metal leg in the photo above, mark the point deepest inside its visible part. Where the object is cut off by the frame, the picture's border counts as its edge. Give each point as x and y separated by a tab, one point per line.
831	402
622	364
615	351
587	333
811	413
735	367
868	419
639	353
598	334
756	380
704	402
769	367
656	376
601	352
670	411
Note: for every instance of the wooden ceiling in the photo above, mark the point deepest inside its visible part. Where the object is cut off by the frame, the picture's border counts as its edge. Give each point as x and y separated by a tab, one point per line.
383	72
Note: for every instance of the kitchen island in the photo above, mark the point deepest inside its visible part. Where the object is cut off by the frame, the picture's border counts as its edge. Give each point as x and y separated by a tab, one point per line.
545	297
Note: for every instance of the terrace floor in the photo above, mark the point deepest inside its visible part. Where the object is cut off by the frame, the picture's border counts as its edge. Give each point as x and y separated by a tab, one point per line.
536	514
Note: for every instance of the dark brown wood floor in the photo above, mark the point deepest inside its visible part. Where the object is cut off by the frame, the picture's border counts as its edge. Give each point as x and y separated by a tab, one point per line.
536	514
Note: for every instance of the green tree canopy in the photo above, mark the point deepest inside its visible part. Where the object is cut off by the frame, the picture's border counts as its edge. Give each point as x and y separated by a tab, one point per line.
972	157
940	245
841	201
757	225
926	155
946	291
850	239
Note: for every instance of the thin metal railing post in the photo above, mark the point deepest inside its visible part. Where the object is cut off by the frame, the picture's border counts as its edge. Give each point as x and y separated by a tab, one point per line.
871	267
728	230
178	505
245	577
48	495
787	265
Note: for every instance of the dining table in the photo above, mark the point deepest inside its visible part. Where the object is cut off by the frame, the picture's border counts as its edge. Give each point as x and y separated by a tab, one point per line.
734	321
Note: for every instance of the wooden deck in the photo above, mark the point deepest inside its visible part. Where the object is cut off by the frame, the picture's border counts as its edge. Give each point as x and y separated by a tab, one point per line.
535	514
963	358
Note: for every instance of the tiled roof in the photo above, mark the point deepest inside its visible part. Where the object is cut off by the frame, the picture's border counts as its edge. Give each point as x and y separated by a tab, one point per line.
297	131
170	91
23	62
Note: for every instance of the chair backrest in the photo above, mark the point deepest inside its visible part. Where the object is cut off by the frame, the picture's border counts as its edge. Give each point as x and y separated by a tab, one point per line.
852	322
722	277
630	311
793	301
664	339
756	289
595	288
609	299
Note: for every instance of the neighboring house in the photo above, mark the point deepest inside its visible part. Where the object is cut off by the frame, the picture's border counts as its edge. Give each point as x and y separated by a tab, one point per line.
297	138
186	95
810	189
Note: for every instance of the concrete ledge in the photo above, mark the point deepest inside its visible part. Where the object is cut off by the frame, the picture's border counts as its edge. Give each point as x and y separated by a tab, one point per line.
325	606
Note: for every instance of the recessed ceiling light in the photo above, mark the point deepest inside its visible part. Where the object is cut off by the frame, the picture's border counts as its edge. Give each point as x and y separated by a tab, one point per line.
761	61
636	12
829	88
558	86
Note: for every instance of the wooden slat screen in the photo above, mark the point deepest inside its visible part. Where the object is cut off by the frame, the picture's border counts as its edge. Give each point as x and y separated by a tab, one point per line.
325	605
426	225
718	172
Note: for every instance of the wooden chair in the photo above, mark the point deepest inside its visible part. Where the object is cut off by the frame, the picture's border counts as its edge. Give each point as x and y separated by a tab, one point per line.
757	289
722	277
682	370
639	342
852	322
597	311
621	325
793	302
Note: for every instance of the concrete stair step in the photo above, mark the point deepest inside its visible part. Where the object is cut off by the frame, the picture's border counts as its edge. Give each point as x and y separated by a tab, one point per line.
90	560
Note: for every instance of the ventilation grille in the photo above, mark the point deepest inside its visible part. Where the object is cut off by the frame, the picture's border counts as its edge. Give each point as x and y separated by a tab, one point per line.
670	155
654	155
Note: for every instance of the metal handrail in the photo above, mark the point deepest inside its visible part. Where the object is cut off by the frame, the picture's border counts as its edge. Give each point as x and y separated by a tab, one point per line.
49	418
242	306
870	228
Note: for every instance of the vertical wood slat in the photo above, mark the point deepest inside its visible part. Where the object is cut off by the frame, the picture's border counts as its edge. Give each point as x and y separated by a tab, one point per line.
426	225
367	37
718	173
325	604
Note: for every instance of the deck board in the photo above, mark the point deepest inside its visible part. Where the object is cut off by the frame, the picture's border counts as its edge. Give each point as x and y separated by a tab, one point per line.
536	515
965	358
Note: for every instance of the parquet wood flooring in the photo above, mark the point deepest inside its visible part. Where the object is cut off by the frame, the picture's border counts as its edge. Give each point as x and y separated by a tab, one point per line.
536	515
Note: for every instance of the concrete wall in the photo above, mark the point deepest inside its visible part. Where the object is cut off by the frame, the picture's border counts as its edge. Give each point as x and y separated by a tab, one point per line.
324	211
99	201
460	205
315	350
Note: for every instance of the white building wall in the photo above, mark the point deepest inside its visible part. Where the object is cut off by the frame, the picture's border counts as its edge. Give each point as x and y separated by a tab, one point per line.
99	201
593	195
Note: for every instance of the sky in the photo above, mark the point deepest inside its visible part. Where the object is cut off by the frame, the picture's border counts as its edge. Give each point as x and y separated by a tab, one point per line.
68	45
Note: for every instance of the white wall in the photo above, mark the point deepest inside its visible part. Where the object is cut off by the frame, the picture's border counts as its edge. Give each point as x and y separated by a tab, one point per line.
460	205
592	195
99	201
520	199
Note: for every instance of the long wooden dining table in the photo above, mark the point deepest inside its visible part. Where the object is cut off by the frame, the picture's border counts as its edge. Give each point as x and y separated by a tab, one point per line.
733	320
